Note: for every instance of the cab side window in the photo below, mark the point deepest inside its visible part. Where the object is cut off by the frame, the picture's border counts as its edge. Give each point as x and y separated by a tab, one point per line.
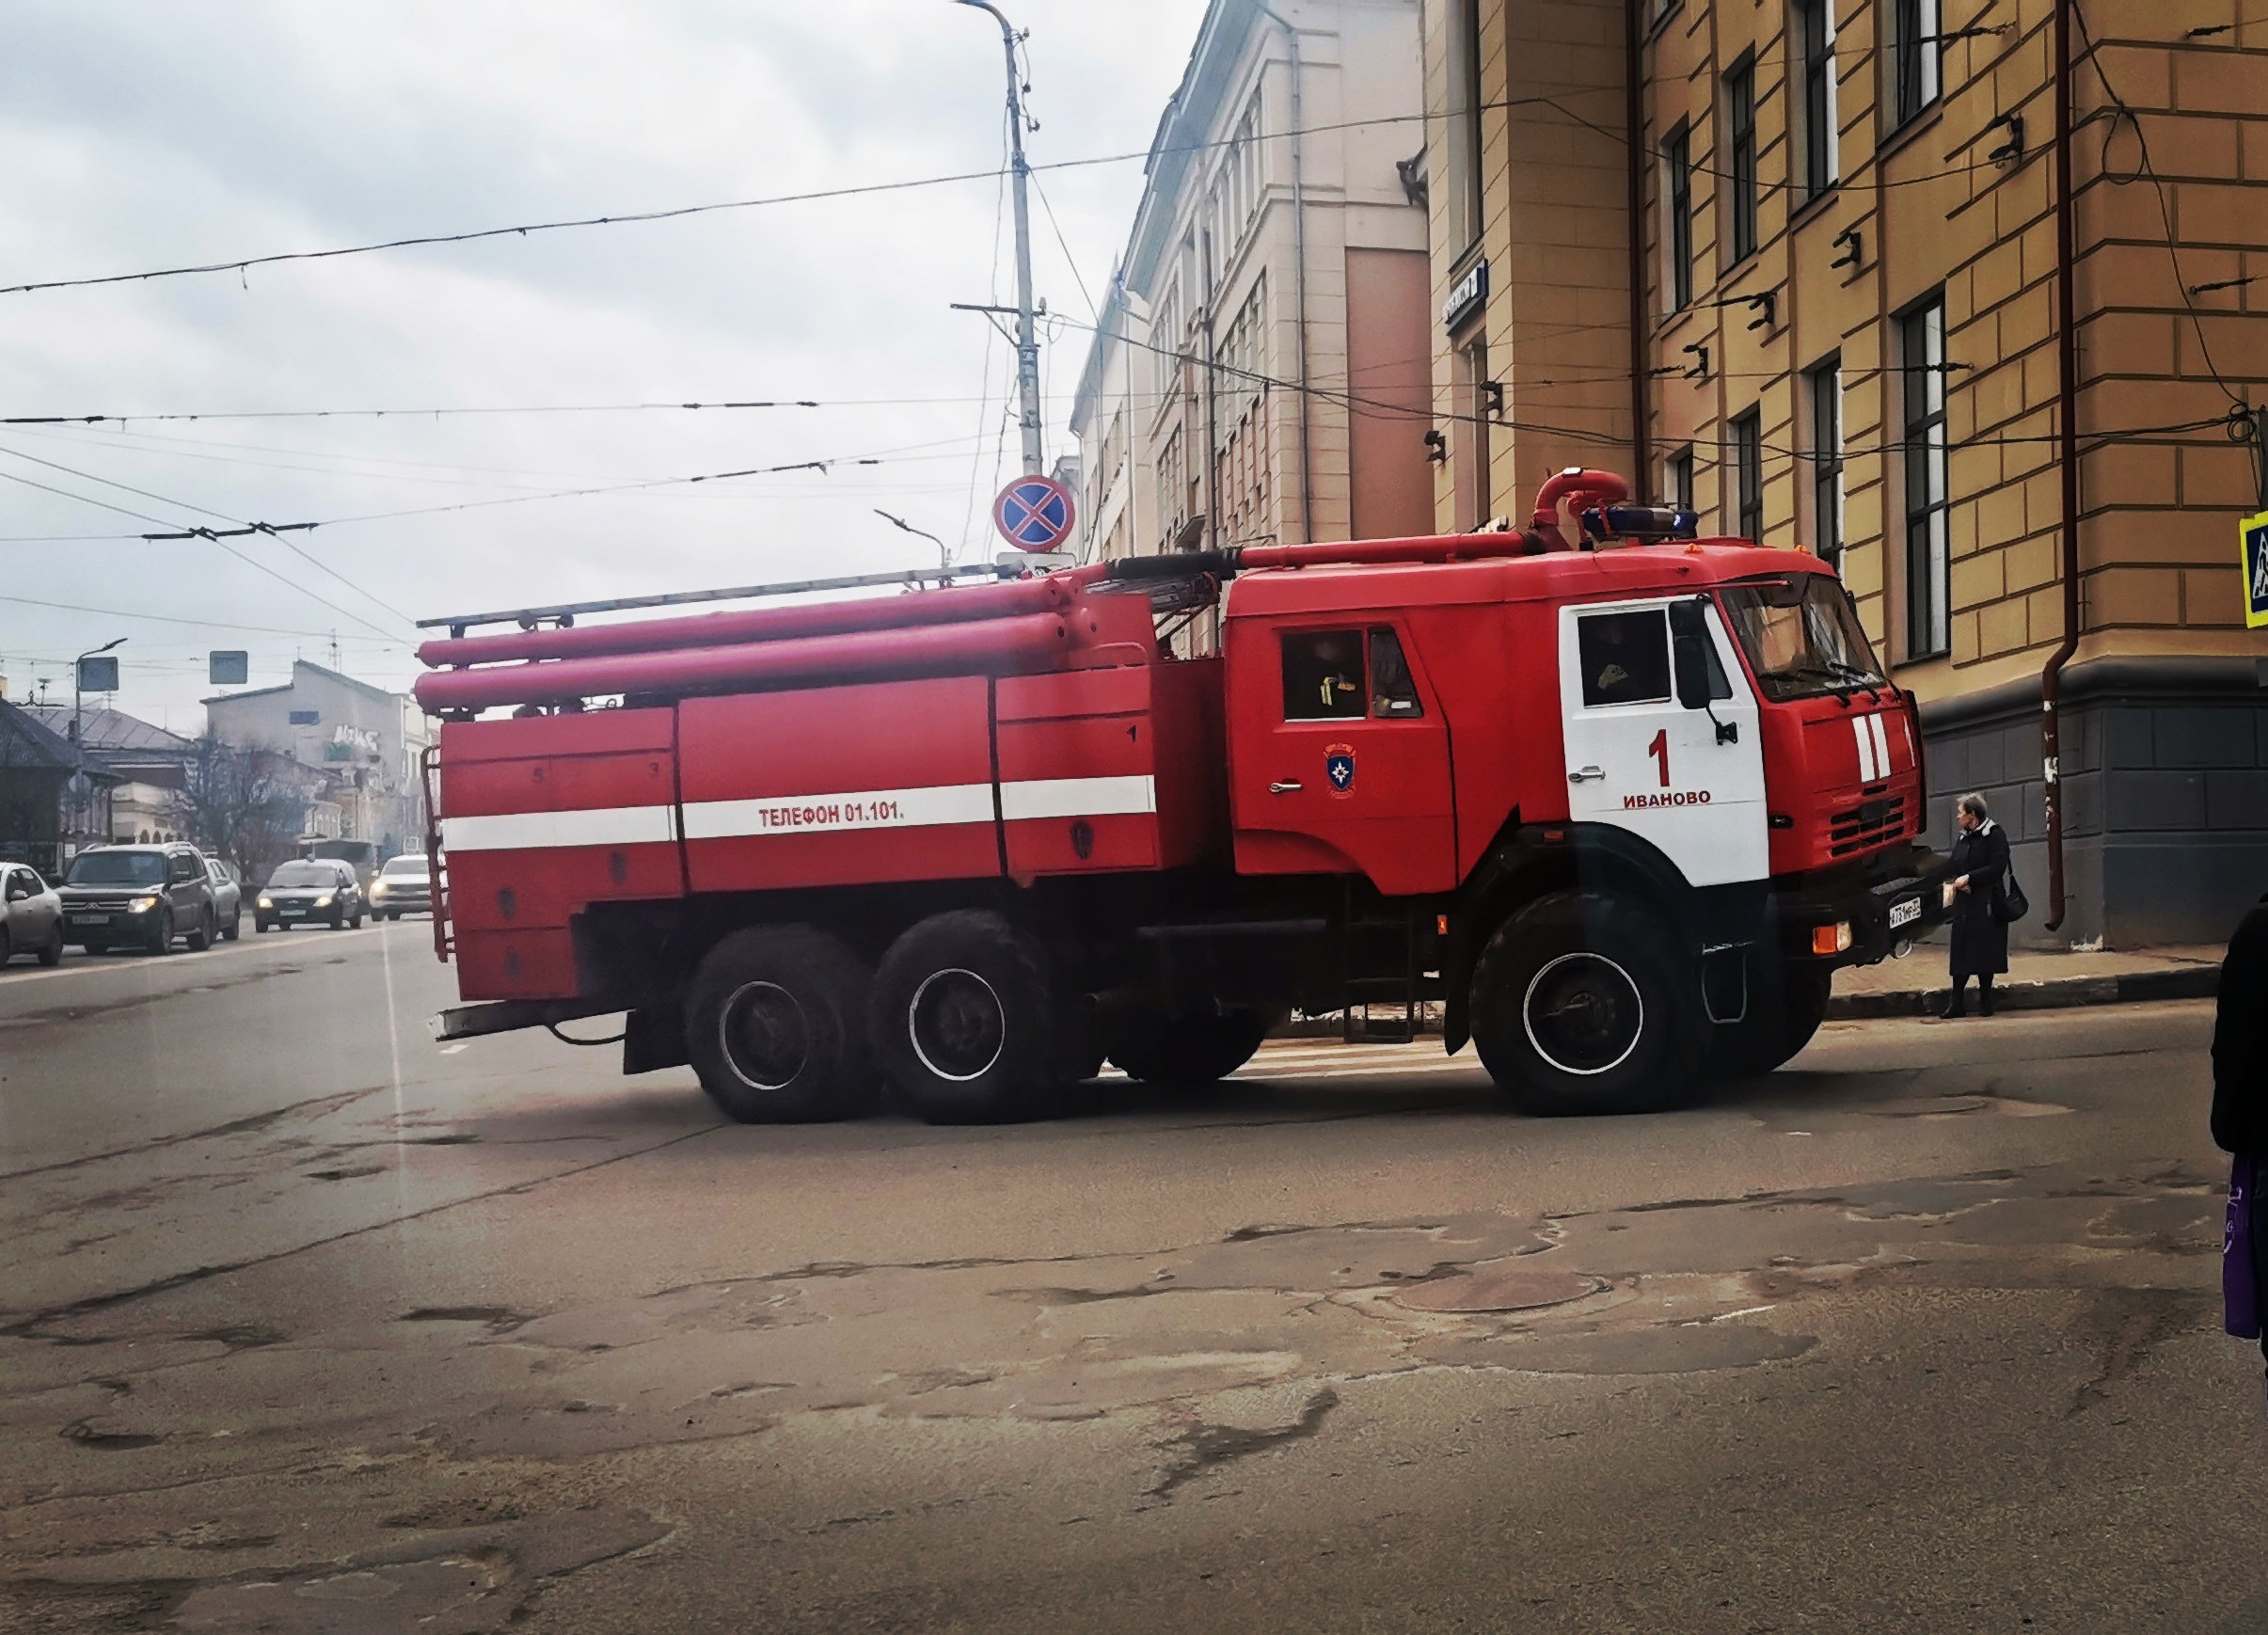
1323	677
1624	656
1393	690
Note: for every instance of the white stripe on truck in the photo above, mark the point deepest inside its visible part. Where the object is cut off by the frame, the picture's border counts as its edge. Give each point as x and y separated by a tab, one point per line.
769	815
525	831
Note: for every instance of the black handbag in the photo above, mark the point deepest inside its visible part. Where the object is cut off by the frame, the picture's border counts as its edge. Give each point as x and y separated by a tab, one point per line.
2010	904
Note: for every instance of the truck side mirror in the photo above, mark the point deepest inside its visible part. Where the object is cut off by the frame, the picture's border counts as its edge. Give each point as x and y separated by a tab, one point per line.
1689	654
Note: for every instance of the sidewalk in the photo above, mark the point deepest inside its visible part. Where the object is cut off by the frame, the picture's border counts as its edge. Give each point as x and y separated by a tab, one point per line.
1917	984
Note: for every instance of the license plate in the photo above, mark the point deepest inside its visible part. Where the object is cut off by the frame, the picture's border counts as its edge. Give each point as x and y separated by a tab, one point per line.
291	914
90	919
1906	913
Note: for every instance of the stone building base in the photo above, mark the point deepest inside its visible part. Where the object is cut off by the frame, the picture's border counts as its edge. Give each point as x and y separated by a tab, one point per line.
2165	793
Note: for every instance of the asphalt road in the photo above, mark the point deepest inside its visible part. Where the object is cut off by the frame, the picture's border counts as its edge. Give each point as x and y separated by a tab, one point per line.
307	1324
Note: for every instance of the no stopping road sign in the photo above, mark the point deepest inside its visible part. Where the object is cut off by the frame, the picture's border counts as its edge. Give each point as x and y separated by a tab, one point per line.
1034	514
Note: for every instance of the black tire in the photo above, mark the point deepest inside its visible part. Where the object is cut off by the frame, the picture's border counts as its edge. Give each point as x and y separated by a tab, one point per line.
1780	1022
8	946
51	951
1188	1051
259	927
1577	1008
968	1024
161	934
206	934
355	924
775	1026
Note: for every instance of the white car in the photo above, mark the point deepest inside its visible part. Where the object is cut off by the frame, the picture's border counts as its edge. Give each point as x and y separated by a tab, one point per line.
403	886
31	915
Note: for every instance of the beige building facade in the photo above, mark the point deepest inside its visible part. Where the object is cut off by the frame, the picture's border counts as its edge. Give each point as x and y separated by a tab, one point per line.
1795	264
1260	369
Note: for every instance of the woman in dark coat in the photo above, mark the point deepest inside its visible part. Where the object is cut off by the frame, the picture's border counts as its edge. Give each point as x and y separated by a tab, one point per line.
1974	883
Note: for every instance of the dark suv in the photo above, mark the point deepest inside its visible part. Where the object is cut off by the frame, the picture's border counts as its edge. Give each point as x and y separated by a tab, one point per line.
139	896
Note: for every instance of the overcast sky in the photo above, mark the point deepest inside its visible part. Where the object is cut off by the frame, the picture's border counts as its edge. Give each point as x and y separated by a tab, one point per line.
143	136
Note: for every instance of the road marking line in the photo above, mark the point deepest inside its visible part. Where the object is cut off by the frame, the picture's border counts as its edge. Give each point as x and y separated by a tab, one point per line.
85	964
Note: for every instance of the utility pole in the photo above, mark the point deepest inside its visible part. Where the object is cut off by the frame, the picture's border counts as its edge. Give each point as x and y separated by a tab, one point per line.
1027	339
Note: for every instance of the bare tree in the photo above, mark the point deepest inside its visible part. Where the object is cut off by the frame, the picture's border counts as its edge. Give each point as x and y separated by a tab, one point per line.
239	804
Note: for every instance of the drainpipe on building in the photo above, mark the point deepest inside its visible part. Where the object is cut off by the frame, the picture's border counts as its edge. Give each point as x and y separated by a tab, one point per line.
1642	449
1299	280
2067	452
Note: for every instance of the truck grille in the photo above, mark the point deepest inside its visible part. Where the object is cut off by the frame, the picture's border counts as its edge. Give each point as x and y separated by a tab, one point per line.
1869	823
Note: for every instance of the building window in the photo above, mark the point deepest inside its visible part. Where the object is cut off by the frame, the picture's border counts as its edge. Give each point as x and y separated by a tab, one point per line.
1465	201
1919	55
1472	407
1825	389
1816	27
1677	210
1922	370
1677	479
1748	474
1740	118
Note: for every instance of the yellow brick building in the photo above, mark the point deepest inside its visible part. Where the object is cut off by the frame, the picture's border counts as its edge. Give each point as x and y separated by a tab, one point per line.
1795	261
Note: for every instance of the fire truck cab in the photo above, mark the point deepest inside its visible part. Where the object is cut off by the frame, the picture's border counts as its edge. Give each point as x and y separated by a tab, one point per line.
1618	807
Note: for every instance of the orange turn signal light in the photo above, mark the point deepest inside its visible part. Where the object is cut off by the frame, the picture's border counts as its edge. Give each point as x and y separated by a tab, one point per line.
1834	939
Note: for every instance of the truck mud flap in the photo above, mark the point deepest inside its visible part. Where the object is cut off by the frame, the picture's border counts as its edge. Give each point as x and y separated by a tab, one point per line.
654	1038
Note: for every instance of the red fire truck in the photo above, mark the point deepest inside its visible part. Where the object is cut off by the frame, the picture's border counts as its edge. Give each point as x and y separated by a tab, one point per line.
1619	805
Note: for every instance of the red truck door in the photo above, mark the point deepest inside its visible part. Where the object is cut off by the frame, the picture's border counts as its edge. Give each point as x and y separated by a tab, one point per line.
1339	758
1640	760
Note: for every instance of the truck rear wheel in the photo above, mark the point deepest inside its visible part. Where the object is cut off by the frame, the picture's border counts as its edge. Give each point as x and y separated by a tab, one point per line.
1575	1009
967	1022
1190	1049
1780	1022
775	1026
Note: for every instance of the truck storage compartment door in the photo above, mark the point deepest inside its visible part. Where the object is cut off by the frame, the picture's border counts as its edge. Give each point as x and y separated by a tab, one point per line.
1688	780
1078	771
1339	758
839	786
540	818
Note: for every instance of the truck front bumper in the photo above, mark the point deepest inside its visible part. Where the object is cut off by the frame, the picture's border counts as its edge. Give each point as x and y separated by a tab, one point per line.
1861	918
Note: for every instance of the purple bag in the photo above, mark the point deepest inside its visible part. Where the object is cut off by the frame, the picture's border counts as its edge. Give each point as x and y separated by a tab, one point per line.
2240	1264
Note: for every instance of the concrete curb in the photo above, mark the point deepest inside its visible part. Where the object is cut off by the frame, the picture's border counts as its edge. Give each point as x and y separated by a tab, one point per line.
2055	993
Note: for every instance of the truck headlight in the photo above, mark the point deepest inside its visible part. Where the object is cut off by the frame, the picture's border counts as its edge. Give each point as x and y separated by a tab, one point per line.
377	888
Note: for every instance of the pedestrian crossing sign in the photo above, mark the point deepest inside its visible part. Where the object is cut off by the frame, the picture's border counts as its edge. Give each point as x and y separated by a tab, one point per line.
2252	551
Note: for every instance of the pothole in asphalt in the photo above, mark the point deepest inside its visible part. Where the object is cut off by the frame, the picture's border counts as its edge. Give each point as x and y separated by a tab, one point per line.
1498	1289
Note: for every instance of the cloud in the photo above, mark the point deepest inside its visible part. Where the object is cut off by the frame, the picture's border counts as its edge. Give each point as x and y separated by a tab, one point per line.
143	137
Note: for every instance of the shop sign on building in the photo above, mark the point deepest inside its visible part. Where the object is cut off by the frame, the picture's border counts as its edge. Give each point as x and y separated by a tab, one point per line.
2252	551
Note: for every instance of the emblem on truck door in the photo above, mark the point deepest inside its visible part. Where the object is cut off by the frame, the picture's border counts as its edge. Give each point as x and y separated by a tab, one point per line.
1338	766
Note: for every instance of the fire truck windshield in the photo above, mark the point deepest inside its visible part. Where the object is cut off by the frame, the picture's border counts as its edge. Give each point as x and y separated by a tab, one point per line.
1801	636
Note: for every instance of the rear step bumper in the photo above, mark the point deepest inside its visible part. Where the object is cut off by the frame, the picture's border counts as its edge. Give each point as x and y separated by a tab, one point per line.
511	1015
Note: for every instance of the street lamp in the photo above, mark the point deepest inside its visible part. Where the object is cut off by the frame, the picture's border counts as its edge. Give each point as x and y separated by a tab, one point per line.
78	732
944	553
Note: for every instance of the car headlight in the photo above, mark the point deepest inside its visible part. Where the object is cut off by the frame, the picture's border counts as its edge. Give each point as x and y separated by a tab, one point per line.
142	905
377	888
265	901
322	902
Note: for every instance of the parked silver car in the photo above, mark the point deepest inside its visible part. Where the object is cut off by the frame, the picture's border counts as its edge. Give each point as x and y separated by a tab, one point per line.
227	896
31	915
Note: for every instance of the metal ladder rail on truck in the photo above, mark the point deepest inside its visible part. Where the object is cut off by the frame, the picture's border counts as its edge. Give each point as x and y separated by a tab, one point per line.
1619	805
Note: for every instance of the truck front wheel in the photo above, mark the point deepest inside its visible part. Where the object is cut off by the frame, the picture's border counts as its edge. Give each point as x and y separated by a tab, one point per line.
1191	1050
1575	1009
1778	1023
968	1024
775	1026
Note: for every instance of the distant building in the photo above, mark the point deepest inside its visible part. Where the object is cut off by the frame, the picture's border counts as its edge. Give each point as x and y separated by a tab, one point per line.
50	792
143	801
1260	372
365	742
